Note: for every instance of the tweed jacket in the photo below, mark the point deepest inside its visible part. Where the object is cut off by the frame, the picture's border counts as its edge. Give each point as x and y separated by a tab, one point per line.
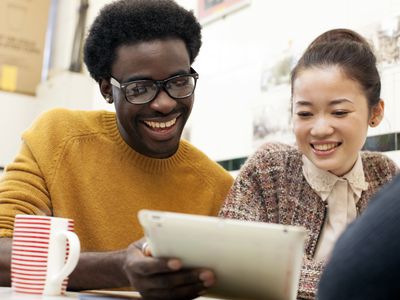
271	188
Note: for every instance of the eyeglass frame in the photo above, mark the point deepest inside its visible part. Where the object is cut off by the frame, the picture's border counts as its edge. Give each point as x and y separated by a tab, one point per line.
160	84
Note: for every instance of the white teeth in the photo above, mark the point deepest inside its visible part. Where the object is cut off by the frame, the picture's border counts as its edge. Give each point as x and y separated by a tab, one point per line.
325	147
153	124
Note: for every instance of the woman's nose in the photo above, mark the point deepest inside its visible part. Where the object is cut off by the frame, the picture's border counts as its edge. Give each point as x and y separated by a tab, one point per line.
322	127
163	103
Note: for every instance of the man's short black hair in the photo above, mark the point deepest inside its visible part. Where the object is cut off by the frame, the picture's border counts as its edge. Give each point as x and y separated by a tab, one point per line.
128	22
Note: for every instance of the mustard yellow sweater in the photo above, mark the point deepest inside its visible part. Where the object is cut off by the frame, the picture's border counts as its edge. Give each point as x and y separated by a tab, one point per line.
75	164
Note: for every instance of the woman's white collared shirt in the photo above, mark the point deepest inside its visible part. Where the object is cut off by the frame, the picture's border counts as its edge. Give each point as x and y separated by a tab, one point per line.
341	195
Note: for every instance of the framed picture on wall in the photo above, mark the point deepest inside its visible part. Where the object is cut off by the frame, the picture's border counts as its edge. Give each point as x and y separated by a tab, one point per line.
210	10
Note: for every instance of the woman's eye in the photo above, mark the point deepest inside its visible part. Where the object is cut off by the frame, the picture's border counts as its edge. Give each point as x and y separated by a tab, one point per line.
304	114
340	113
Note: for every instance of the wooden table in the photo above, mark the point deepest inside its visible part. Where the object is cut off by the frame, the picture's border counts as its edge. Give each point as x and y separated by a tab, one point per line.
7	293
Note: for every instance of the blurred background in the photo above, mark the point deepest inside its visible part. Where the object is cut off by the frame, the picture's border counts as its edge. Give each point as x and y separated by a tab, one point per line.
243	94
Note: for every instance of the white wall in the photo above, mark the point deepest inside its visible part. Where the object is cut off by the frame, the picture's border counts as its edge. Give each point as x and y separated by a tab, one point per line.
62	89
16	112
236	49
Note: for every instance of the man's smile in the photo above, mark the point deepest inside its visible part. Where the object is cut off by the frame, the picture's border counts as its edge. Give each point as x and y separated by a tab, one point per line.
155	125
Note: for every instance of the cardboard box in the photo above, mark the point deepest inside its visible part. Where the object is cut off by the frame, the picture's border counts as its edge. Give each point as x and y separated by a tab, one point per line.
23	26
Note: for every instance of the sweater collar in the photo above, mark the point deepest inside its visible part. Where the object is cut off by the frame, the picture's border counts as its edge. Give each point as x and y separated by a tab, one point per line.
148	164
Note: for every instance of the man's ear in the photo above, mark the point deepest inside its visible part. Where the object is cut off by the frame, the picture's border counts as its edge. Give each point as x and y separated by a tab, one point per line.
105	88
377	113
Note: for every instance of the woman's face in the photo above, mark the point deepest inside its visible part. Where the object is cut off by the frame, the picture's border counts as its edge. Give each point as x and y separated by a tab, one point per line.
330	118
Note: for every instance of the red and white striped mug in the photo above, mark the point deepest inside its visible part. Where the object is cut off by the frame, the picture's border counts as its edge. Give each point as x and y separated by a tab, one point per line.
45	250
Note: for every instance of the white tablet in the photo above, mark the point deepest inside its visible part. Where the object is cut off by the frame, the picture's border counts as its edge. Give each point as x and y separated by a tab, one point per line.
251	260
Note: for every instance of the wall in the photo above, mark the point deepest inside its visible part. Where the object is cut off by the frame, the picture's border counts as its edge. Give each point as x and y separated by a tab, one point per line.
236	51
61	89
16	112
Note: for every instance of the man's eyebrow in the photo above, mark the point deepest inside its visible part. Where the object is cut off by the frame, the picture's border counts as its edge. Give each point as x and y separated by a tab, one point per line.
143	77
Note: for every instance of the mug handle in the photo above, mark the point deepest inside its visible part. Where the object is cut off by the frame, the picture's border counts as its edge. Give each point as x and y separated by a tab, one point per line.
73	256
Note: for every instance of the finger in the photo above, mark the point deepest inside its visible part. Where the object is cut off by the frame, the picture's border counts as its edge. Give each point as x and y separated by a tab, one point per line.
141	244
181	292
138	263
146	250
148	266
172	280
207	277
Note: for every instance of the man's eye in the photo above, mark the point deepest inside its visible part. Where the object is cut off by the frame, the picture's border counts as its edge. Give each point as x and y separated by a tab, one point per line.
135	91
182	81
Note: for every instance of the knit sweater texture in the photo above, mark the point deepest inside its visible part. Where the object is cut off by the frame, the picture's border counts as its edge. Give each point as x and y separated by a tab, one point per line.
271	188
75	164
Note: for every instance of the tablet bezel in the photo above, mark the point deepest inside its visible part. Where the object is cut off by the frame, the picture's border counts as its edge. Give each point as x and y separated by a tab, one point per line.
241	253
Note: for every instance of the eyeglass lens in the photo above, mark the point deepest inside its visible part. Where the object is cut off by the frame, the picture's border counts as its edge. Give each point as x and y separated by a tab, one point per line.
145	90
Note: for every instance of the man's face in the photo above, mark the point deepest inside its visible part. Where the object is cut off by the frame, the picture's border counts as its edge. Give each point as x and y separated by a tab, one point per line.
154	128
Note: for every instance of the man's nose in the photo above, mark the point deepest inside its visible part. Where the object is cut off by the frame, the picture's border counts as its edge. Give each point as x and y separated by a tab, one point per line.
322	127
163	103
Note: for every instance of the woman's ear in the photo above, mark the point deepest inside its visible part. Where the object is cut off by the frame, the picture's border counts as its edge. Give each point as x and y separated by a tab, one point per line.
377	113
106	90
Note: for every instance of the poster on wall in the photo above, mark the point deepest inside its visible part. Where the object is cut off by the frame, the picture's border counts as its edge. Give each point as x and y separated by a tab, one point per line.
385	38
272	109
387	42
272	117
23	26
210	10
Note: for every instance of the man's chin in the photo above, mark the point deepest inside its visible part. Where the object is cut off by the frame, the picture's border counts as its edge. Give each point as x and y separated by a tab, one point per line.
164	149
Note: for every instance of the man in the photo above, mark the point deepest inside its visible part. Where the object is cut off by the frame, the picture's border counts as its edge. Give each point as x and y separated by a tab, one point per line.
101	168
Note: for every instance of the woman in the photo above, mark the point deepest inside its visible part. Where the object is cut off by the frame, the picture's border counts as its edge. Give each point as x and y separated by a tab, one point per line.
326	181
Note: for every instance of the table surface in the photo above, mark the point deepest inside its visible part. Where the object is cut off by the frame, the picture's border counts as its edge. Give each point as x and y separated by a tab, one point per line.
7	293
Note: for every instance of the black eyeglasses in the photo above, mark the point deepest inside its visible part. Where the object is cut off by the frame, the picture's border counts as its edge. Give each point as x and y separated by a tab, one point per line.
143	91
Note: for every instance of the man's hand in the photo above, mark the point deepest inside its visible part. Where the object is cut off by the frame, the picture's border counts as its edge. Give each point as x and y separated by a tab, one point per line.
5	261
154	278
157	278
